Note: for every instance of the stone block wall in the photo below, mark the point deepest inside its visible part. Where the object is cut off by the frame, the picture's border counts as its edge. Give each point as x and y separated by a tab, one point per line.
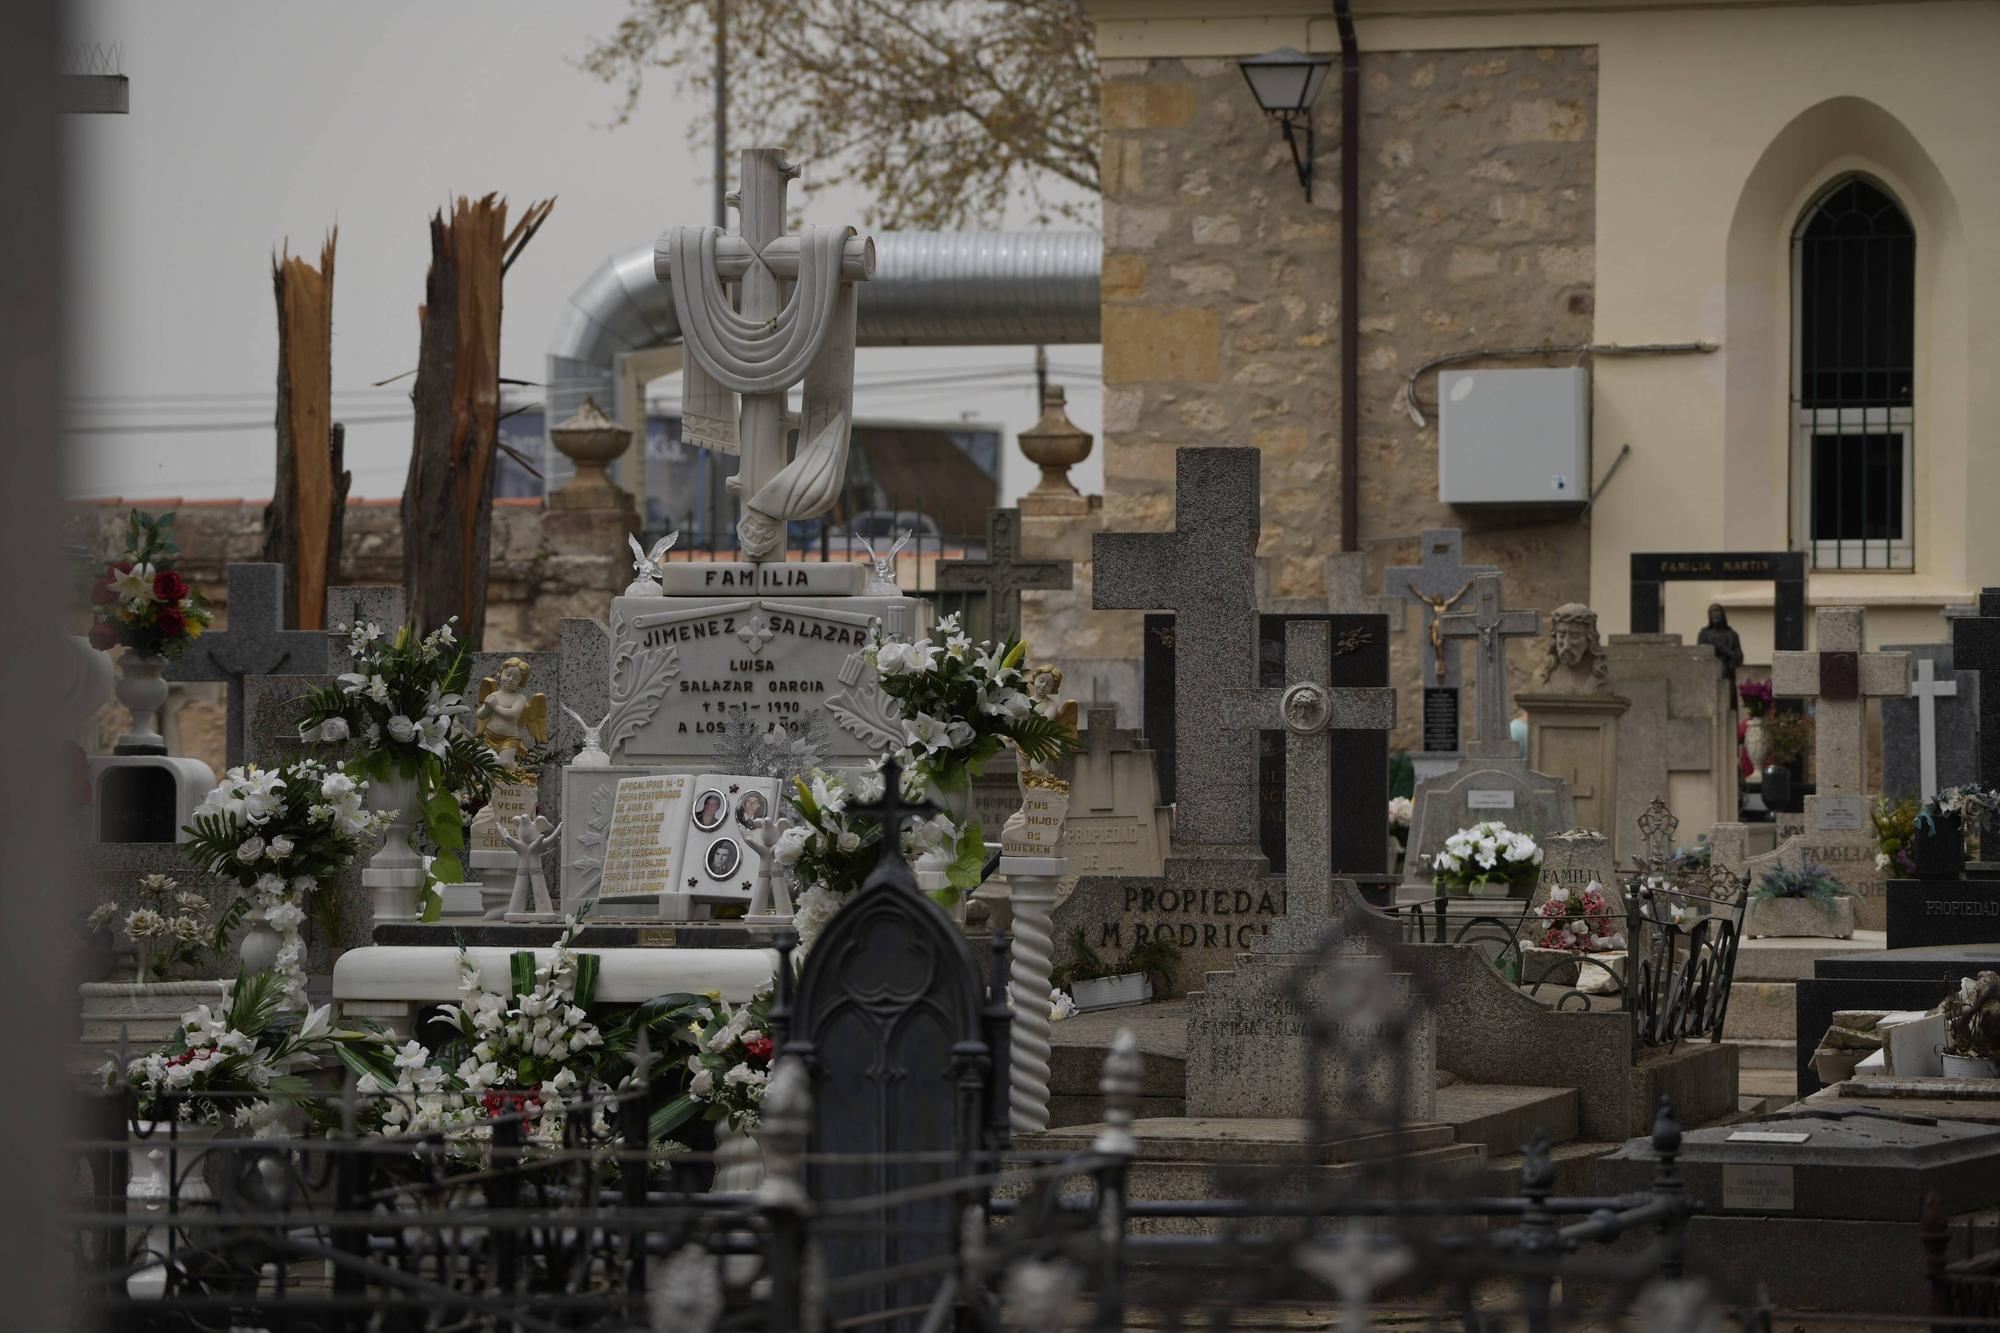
546	565
1221	290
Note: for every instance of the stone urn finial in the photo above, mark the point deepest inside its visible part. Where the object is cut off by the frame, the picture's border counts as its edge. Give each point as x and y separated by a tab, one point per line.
591	440
1056	445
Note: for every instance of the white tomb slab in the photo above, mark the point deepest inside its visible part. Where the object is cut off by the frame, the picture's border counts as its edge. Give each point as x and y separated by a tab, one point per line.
393	983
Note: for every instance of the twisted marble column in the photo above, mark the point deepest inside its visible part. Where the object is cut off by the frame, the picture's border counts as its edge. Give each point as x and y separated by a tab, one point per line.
1032	893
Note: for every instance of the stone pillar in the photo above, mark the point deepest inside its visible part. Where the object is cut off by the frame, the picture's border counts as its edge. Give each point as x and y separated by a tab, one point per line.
1032	882
1575	737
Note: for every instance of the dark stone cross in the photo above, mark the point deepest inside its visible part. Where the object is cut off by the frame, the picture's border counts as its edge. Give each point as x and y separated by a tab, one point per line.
1975	646
890	810
255	644
1205	571
1491	627
1003	576
1310	708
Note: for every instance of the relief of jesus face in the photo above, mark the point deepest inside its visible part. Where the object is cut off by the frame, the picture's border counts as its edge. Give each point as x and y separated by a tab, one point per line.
1570	643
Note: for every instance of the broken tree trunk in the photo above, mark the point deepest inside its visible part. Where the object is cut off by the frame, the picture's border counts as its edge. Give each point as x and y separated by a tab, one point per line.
448	498
302	524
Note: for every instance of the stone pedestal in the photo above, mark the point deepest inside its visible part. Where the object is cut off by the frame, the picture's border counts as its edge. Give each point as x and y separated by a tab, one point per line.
1677	740
1575	737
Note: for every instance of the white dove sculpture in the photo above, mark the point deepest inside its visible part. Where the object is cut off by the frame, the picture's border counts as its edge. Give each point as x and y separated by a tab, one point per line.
883	583
647	565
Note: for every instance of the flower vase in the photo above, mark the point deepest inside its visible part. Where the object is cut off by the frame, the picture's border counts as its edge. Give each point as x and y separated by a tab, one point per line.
1968	1066
739	1161
1756	744
1937	848
166	1170
394	876
957	804
143	691
260	944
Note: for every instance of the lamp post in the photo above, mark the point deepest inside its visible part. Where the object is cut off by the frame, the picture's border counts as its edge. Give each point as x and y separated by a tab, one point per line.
1285	82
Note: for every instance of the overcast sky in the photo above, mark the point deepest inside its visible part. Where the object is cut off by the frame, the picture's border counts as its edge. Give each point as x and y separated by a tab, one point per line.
256	124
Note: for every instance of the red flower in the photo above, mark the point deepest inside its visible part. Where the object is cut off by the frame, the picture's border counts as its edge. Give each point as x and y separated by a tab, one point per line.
169	621
758	1048
103	636
169	586
101	594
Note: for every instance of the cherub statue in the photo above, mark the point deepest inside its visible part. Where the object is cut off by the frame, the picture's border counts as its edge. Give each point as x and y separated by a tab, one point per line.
508	717
646	565
529	836
771	899
592	754
883	584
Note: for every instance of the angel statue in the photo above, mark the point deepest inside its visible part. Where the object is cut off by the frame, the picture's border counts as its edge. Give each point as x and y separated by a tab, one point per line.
509	718
883	584
647	564
591	754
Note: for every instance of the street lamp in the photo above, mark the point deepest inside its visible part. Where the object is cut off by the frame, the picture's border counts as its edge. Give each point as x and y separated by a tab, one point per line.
1285	82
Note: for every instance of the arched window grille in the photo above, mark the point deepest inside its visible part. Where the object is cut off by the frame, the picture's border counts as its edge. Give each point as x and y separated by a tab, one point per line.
1853	376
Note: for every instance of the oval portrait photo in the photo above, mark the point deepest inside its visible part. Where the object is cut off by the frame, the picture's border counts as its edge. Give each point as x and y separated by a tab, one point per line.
723	857
750	809
709	810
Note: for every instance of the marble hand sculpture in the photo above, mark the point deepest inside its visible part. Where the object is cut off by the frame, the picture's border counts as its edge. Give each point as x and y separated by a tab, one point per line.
772	897
530	836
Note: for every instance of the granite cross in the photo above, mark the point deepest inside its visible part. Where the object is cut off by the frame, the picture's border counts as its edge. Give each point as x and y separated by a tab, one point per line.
1347	591
1437	583
1841	678
1975	646
1927	689
1309	710
1003	576
1205	571
1492	627
255	644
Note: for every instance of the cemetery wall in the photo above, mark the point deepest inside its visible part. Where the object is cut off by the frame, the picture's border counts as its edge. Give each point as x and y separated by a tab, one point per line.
545	567
1220	293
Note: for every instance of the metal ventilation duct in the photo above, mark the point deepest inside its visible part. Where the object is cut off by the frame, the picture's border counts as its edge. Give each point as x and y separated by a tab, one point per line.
930	289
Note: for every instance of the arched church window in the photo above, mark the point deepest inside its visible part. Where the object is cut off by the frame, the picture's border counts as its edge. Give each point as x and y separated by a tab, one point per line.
1853	376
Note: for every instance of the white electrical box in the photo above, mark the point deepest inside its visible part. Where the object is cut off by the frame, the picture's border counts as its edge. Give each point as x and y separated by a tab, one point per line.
1514	436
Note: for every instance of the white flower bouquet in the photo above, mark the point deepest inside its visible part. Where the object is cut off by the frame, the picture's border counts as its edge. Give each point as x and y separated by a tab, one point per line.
231	1068
829	853
1489	853
400	704
283	834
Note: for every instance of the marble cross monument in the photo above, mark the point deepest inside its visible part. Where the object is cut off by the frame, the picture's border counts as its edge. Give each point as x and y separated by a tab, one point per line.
1003	576
256	643
744	357
1927	689
1205	571
1841	677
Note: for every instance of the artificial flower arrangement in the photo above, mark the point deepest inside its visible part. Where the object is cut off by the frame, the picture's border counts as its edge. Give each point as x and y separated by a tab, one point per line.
730	1065
960	702
829	854
166	929
1579	922
1810	881
140	600
1895	835
239	1067
530	1050
398	703
1968	803
1401	811
1756	696
1486	855
1972	1017
282	834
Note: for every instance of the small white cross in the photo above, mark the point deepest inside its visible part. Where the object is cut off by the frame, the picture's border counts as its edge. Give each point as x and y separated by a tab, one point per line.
1926	689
